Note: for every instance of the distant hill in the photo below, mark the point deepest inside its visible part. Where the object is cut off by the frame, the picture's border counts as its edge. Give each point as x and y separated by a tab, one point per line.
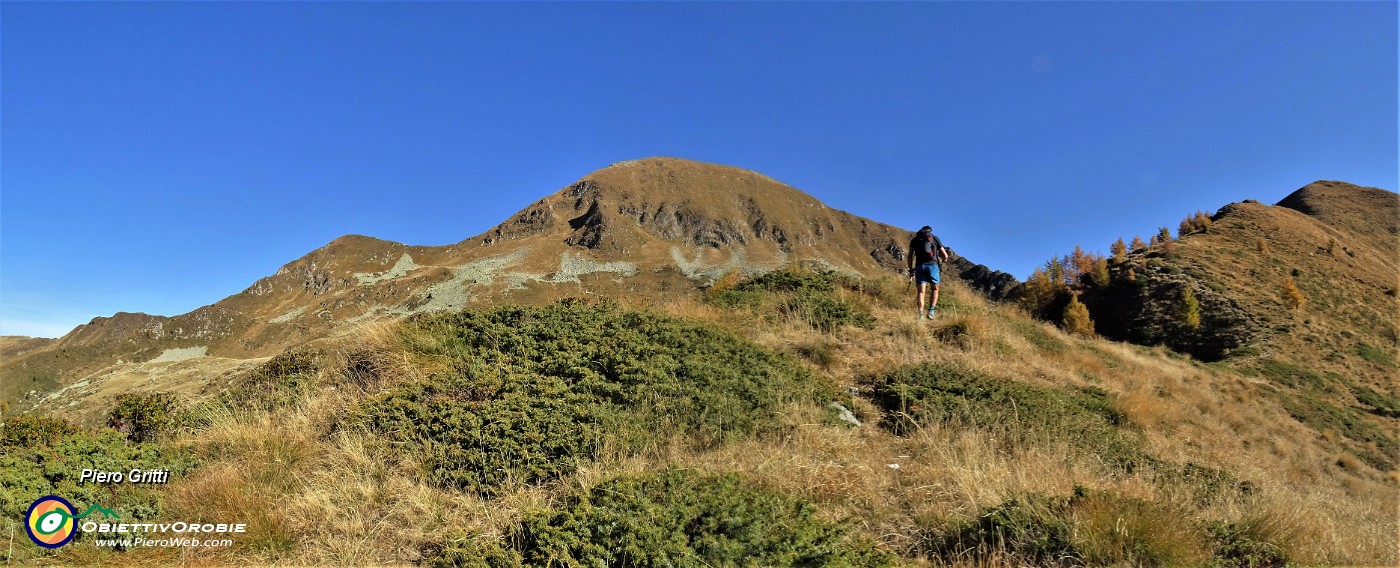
647	229
1334	357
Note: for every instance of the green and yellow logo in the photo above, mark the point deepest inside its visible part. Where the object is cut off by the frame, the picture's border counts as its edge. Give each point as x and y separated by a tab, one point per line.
51	522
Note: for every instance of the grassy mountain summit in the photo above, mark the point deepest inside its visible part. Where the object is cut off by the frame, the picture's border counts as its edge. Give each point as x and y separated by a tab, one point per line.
1300	296
661	363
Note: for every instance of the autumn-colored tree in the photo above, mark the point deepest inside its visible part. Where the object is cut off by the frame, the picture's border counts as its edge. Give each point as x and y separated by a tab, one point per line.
1137	244
1039	291
1186	227
1292	296
1083	263
1100	277
1202	221
1164	235
1076	318
1189	311
1119	250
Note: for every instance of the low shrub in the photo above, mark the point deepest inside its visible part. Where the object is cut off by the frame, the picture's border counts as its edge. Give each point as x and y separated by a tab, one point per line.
825	312
1244	545
1375	445
31	430
472	551
1295	376
820	353
1375	355
682	517
807	295
927	393
277	383
528	394
144	417
1381	404
963	331
46	456
1032	529
1088	528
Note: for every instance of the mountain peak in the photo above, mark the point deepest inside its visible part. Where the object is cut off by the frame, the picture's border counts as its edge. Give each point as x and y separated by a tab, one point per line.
1368	213
654	209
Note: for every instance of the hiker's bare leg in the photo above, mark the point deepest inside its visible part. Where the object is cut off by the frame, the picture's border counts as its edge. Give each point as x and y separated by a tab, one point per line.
934	303
922	287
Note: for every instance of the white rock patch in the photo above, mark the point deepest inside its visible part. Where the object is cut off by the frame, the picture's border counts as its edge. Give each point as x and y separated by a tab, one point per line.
400	269
181	354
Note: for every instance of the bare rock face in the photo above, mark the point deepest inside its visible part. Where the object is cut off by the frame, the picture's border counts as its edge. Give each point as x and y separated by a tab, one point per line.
994	284
533	220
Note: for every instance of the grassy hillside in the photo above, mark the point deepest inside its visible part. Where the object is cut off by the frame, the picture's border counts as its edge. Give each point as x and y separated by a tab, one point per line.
593	434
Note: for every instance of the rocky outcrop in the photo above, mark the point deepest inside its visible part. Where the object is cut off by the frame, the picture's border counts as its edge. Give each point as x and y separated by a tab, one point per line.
533	220
1147	310
994	284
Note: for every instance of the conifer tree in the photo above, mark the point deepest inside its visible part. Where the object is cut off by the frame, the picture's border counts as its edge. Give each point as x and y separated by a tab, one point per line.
1100	277
1038	291
1187	226
1292	296
1083	265
1056	271
1189	312
1119	250
1202	221
1164	235
1076	318
1137	244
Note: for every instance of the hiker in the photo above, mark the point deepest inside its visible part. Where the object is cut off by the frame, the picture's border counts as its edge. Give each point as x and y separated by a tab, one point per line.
926	253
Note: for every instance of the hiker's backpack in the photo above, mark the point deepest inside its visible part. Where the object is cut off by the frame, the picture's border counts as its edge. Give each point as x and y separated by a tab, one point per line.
925	249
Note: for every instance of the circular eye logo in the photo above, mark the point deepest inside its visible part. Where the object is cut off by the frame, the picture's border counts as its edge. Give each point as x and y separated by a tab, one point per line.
50	522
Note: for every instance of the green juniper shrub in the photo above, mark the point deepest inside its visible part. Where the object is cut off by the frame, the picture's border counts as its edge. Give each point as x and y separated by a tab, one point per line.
1205	483
1375	355
927	393
30	430
1091	528
1242	545
1381	404
680	517
483	432
825	312
1374	444
807	295
42	456
1294	376
528	394
144	417
277	383
1030	528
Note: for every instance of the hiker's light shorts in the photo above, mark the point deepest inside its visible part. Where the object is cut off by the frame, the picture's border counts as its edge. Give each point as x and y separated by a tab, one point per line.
926	273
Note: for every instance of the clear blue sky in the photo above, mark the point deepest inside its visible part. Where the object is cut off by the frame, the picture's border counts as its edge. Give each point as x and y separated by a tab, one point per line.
157	157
